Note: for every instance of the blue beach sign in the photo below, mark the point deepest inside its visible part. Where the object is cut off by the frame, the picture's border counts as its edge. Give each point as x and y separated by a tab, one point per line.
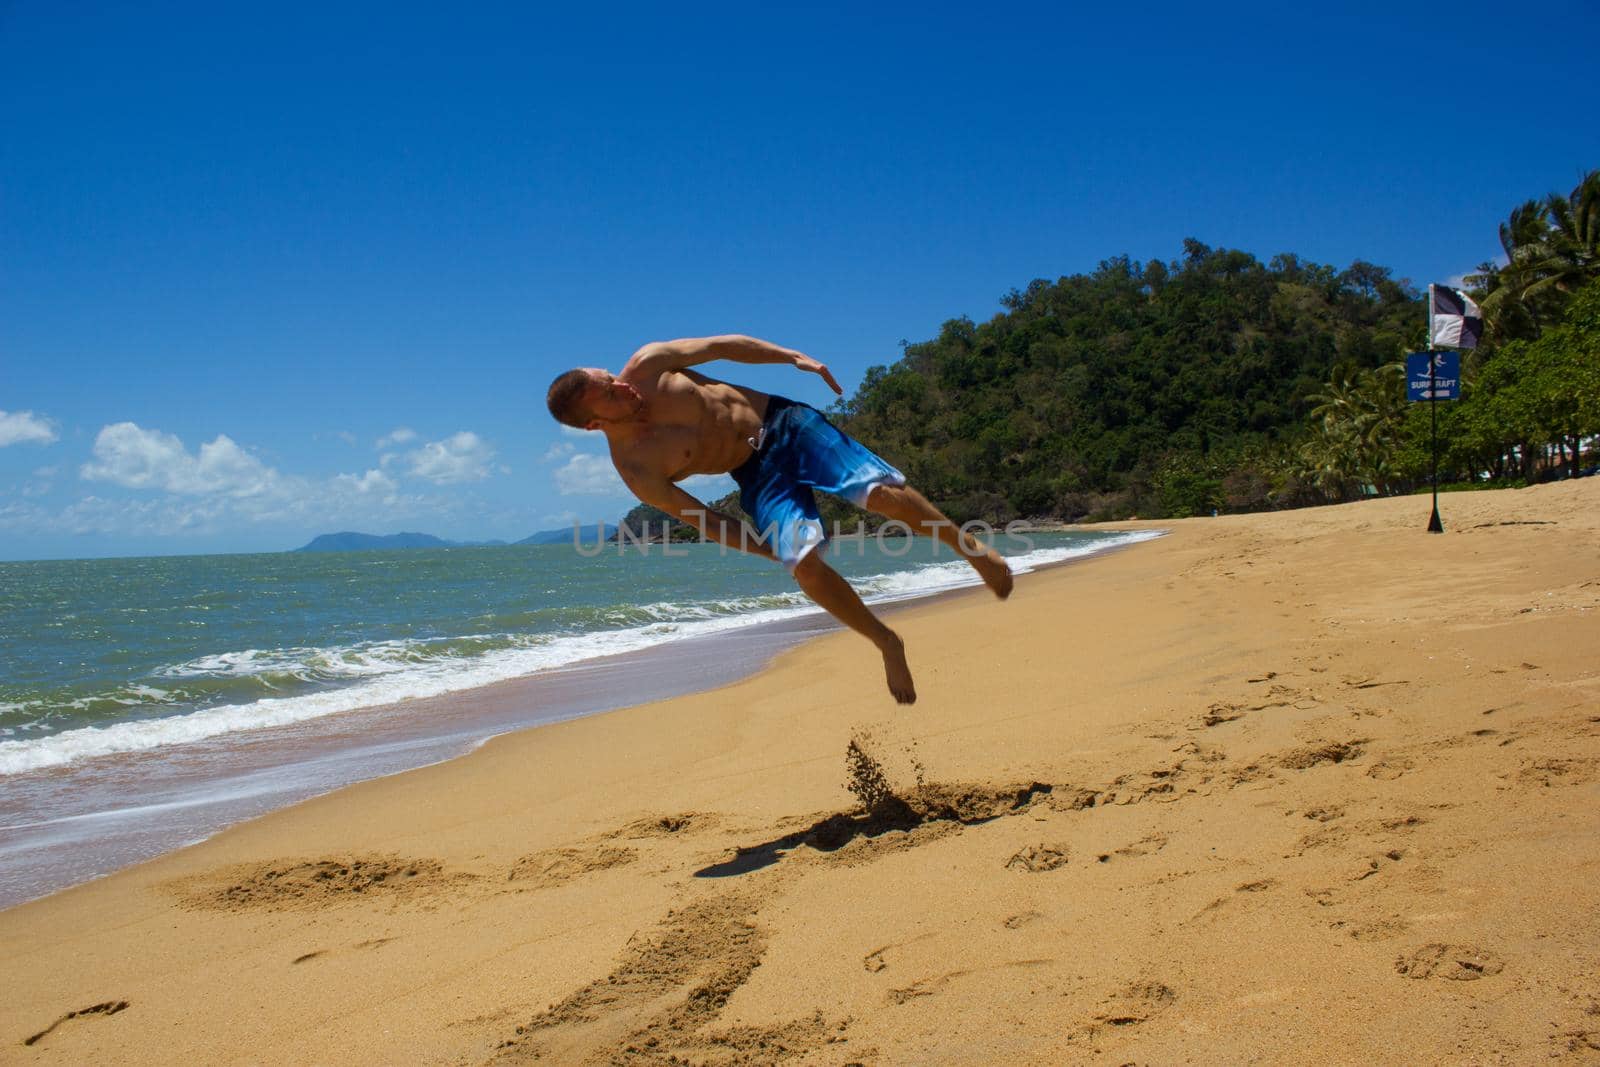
1433	376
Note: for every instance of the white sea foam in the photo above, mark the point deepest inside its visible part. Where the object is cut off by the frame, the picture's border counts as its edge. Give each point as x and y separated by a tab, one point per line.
315	664
385	673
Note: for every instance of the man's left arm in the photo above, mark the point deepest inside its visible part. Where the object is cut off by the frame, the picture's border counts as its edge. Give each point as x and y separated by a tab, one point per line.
660	356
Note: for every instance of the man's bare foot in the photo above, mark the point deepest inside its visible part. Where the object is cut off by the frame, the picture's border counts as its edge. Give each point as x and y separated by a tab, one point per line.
897	671
995	572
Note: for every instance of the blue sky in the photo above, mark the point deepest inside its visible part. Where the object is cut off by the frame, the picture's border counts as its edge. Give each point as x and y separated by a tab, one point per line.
267	272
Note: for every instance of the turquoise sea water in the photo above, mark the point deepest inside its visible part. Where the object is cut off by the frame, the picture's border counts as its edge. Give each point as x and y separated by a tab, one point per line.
106	656
148	702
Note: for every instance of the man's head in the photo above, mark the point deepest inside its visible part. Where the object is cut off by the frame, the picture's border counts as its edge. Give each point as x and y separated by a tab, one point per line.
586	397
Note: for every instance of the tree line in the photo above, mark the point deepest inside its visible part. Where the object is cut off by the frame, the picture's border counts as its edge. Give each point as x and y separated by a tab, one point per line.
1217	382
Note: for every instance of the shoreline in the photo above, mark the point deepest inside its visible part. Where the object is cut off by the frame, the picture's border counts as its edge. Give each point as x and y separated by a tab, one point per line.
162	800
1267	787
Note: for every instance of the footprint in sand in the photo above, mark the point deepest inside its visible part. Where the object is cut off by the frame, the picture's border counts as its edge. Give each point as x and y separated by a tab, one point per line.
1038	858
1209	912
666	825
1131	1006
1301	759
927	987
1545	773
1457	963
108	1007
1284	696
877	959
1219	713
1389	770
1148	845
557	866
290	884
1377	930
1375	864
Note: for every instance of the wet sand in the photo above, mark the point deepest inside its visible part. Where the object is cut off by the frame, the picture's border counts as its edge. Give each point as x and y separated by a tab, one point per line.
1313	784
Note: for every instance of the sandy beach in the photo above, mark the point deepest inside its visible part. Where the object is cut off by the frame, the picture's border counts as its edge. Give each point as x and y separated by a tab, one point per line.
1272	788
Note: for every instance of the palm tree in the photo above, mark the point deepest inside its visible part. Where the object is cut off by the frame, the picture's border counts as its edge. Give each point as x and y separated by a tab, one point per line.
1552	249
1572	252
1356	429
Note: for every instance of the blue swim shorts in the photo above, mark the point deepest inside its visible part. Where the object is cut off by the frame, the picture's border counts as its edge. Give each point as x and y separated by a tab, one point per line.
798	451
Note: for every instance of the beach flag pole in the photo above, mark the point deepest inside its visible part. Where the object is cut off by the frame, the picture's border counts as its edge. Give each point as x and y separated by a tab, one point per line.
1434	525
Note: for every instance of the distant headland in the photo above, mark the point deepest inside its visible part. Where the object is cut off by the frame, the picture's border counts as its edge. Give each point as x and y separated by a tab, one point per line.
364	542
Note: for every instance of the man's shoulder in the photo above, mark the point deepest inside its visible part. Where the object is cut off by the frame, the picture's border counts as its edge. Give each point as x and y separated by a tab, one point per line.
655	380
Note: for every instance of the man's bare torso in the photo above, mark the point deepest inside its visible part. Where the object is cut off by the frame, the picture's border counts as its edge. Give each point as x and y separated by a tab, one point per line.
691	424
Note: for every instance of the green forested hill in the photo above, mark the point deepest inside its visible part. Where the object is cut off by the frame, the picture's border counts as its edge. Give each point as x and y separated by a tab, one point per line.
1101	394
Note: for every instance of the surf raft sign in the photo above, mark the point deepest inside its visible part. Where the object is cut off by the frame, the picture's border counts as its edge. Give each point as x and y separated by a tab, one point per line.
1433	376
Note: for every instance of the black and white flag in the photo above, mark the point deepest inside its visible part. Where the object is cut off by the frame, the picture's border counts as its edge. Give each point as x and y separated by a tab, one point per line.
1454	321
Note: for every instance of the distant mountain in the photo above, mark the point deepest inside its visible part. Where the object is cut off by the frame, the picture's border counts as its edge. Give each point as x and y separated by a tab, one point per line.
564	535
363	542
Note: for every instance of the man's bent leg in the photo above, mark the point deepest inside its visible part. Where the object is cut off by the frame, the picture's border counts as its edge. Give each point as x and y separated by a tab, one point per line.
906	505
824	585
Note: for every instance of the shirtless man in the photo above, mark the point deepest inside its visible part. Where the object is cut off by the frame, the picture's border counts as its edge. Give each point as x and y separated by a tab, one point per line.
665	422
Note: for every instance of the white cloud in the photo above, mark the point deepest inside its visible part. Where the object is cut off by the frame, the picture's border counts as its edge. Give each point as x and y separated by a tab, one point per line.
589	474
97	515
557	450
372	482
46	476
461	457
397	436
346	499
24	427
347	437
125	454
216	486
14	516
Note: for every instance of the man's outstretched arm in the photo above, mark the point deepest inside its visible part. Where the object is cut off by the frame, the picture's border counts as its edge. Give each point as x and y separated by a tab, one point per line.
714	526
660	356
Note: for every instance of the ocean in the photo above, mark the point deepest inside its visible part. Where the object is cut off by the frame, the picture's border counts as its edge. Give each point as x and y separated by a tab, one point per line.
147	703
